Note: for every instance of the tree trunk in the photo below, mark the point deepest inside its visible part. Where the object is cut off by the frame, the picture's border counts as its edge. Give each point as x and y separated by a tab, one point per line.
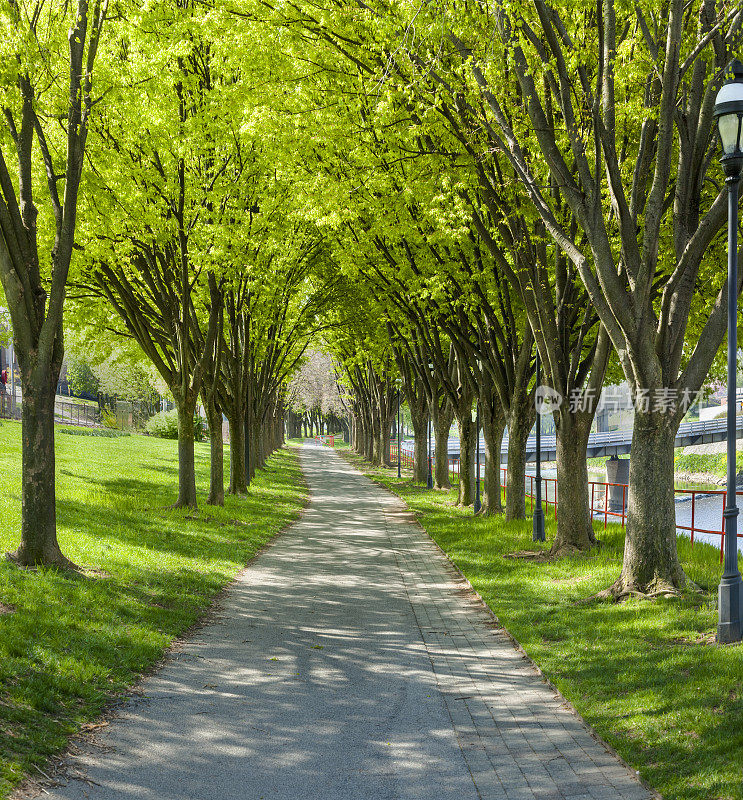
38	510
520	421
650	557
368	437
574	528
442	426
257	451
420	458
238	480
385	438
216	465
186	468
493	425
419	417
377	457
467	445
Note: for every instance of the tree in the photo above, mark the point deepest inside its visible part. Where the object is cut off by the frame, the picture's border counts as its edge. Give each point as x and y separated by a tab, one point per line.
313	392
34	89
162	199
80	377
630	153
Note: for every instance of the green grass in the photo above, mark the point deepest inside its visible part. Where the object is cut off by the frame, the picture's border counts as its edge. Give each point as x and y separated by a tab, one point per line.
644	674
74	643
109	433
712	463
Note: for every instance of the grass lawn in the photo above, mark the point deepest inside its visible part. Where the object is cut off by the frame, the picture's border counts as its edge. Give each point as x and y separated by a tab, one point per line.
645	674
71	644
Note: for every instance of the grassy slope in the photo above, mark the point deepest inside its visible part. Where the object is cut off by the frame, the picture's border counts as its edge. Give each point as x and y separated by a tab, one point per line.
714	464
643	673
74	643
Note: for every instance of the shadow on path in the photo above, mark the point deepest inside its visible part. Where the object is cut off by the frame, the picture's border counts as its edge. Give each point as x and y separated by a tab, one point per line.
345	664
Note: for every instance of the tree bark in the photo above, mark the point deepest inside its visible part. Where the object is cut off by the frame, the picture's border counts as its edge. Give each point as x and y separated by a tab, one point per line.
493	424
420	459
238	479
574	528
186	467
385	437
442	426
467	445
520	421
650	556
257	451
419	417
368	436
216	465
377	456
39	543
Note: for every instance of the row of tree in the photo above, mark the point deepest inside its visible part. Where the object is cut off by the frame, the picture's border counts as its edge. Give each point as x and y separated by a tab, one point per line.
510	179
316	406
161	177
440	191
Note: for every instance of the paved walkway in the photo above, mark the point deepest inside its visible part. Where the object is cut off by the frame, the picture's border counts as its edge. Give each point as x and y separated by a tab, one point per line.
348	662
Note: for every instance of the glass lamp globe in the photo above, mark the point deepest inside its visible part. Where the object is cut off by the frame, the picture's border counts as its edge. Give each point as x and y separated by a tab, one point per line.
729	114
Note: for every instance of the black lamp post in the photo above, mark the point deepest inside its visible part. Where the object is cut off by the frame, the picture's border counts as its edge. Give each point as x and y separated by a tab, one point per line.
538	518
399	438
478	505
729	114
429	480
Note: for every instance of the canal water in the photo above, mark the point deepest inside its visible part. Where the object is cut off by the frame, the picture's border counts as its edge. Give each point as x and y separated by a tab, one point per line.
707	508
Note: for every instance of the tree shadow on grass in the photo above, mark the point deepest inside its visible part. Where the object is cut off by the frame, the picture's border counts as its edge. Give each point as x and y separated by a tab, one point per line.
161	531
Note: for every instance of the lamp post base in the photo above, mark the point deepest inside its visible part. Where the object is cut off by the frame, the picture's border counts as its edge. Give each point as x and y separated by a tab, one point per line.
538	534
730	596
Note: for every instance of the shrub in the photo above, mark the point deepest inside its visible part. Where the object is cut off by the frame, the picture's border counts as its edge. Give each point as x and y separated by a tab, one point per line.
200	429
108	419
165	426
715	463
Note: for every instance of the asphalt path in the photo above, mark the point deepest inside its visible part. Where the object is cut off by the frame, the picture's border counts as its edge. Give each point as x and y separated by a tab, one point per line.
349	660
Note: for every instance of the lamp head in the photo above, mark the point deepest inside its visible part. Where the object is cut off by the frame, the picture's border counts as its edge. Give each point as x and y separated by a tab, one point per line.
728	112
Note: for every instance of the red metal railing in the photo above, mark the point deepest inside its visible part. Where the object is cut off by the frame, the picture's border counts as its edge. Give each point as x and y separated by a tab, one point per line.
601	505
601	502
407	460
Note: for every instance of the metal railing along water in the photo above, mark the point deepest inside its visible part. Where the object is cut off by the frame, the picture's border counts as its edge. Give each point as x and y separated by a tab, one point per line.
602	504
